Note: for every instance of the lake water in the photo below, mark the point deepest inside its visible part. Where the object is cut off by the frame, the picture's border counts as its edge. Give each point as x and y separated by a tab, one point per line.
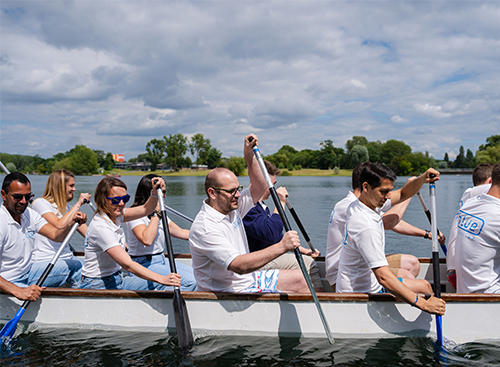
313	199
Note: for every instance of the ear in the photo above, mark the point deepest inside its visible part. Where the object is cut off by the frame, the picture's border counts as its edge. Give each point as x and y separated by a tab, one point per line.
365	186
4	194
211	193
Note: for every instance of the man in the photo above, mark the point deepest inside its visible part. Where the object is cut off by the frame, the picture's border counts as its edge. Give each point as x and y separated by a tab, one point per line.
401	265
264	229
18	225
482	180
221	259
363	266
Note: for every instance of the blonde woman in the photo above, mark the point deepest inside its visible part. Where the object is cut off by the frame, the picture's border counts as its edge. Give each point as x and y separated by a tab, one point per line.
54	207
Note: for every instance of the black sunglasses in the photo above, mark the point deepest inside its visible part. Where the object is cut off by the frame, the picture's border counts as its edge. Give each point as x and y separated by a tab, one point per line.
19	197
232	191
115	200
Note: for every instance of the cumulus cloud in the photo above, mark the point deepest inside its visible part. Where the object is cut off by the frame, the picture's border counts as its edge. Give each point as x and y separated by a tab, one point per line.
115	76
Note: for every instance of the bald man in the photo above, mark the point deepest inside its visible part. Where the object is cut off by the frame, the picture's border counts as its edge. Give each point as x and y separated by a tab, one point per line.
221	259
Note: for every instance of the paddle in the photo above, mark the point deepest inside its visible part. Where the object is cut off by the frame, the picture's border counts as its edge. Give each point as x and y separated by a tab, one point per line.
299	223
435	258
182	324
428	214
298	255
179	214
9	329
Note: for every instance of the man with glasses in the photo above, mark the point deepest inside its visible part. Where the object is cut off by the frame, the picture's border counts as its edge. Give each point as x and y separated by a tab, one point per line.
18	225
221	259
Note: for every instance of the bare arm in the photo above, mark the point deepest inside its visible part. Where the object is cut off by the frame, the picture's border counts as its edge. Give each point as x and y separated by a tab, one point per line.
118	254
137	212
414	186
31	293
178	232
433	305
393	216
258	183
253	261
58	234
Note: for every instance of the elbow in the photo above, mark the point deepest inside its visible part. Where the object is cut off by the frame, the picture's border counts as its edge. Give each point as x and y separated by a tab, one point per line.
238	268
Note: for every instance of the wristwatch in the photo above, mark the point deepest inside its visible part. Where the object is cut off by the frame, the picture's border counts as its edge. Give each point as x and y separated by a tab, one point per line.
426	235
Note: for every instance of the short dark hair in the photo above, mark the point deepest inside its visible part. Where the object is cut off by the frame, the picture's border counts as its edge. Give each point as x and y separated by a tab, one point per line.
271	168
481	173
356	175
14	176
495	175
374	173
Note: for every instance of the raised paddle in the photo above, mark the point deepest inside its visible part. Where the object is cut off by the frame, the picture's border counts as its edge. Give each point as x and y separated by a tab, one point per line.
182	324
435	258
429	217
179	214
299	224
9	329
298	255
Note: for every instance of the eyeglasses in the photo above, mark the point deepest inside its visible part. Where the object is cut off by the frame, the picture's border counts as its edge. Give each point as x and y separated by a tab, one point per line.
115	200
19	197
232	191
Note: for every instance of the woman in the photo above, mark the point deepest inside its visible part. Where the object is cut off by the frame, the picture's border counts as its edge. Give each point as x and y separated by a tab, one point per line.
54	207
105	254
146	238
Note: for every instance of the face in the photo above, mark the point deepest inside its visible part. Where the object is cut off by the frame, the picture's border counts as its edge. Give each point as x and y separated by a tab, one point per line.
70	189
116	210
224	201
376	198
16	207
267	193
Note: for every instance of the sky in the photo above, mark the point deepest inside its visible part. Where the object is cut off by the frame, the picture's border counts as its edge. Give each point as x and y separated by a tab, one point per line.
112	75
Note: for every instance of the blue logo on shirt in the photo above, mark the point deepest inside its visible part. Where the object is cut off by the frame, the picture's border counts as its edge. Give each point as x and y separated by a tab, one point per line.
30	233
237	222
470	223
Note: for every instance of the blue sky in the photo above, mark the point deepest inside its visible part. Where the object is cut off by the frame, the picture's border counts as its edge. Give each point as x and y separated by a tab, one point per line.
113	75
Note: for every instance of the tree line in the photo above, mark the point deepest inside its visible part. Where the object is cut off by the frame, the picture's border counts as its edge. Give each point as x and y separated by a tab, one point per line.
172	150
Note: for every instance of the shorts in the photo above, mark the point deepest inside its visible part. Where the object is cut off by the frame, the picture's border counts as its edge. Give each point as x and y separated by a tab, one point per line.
266	282
394	261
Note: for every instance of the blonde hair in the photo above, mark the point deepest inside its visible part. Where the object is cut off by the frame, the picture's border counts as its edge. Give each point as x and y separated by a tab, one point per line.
55	189
102	190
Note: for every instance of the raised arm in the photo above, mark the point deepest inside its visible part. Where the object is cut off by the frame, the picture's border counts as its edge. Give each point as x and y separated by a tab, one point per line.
149	206
258	183
412	187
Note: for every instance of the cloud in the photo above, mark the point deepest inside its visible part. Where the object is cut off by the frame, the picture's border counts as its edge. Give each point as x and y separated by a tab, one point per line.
399	120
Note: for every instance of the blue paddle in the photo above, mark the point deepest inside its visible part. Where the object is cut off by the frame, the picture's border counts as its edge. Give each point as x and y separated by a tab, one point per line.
10	328
435	259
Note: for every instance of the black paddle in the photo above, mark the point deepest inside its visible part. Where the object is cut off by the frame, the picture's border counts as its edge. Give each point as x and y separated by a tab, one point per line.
182	324
298	255
435	258
299	224
429	217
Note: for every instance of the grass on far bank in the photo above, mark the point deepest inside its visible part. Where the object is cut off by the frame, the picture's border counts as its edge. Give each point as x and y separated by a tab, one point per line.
308	172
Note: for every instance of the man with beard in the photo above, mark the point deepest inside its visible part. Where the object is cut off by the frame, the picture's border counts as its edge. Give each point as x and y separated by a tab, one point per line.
18	225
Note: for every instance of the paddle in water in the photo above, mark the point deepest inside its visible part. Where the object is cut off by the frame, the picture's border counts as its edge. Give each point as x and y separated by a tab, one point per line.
10	328
182	324
435	258
298	255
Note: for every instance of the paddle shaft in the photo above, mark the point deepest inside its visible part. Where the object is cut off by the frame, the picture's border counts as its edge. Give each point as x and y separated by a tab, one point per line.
298	255
182	324
4	168
435	259
299	224
429	217
179	214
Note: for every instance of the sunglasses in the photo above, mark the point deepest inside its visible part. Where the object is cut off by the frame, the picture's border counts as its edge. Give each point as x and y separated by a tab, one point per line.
115	200
19	197
232	191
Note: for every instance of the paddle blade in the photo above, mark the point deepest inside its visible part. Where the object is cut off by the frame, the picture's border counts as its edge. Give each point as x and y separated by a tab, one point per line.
184	333
10	328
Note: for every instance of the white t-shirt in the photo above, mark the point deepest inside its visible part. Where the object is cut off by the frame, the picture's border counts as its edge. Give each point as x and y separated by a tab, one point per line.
45	249
135	248
336	232
215	241
102	235
363	249
17	241
478	246
471	192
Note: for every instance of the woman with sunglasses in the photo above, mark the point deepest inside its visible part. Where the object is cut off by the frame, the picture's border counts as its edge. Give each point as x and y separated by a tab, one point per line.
146	238
55	208
105	254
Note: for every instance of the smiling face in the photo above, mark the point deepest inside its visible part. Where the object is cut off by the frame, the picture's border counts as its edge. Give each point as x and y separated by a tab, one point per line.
376	197
16	207
70	188
115	210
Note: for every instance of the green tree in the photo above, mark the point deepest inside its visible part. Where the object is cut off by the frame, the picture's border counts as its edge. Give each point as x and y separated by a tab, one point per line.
11	167
393	148
155	151
359	153
101	157
327	156
64	163
460	161
200	148
304	158
108	162
175	147
214	158
40	169
356	140
491	141
491	155
446	158
374	151
83	161
236	165
469	158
